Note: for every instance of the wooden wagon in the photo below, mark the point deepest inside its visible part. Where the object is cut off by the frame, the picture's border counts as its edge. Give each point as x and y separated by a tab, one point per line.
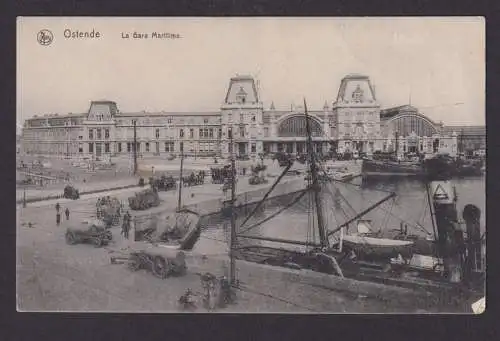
161	261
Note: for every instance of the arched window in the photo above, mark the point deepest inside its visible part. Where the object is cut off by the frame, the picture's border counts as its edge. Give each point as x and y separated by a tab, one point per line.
295	126
405	125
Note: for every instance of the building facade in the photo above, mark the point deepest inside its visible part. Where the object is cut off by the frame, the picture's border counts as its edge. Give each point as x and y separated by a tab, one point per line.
470	139
405	130
354	122
357	116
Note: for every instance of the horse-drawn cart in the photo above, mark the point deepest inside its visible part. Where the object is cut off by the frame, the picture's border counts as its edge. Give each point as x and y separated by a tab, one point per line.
163	183
144	199
88	232
161	261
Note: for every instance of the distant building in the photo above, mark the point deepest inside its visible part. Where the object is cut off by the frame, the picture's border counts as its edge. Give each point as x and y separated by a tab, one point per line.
470	138
354	122
405	129
357	115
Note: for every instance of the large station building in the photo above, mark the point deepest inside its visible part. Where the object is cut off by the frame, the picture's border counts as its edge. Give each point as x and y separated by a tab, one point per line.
354	122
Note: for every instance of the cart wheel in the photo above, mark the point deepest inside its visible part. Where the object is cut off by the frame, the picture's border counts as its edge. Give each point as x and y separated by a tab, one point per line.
134	263
98	242
70	238
160	267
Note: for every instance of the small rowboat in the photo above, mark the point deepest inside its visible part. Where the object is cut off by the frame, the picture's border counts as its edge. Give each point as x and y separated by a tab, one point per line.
365	245
380	247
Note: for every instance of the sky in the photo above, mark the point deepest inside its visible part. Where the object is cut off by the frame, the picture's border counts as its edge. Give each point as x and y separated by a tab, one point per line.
437	64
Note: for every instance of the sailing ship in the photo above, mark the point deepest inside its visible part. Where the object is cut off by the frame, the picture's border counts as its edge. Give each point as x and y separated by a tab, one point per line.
450	260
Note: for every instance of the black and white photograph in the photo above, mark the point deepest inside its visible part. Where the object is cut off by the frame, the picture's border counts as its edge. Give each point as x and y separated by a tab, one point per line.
213	165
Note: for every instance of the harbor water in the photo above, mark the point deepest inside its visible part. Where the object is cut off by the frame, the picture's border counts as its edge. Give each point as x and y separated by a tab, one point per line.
341	202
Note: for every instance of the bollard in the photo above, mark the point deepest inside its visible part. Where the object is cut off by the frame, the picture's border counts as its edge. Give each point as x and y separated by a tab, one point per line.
472	215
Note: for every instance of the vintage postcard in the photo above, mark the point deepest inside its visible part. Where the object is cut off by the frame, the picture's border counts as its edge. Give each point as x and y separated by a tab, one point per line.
251	165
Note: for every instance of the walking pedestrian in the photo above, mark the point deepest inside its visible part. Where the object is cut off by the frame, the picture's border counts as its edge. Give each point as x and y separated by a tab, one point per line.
58	218
124	223
67	213
125	228
58	207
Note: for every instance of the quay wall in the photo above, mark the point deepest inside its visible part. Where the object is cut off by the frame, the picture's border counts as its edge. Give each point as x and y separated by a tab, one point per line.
315	292
213	206
245	198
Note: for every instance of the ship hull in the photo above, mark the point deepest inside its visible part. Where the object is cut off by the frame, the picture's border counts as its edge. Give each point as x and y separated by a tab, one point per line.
435	168
372	168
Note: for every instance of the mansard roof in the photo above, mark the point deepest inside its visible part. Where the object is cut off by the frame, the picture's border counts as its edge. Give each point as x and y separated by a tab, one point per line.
238	84
466	130
391	112
355	76
167	113
49	116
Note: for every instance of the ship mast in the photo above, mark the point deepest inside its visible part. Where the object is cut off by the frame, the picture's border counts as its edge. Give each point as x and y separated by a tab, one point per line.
315	182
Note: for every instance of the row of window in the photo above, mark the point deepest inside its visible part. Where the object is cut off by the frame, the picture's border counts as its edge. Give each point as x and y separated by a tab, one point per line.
99	117
98	148
98	134
203	133
168	147
155	121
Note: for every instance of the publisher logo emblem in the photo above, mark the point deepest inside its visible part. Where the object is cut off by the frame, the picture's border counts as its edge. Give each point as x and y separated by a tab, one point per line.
45	37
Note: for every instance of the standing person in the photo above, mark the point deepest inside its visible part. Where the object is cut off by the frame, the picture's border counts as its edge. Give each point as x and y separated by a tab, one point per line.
126	228
67	213
125	225
58	207
58	218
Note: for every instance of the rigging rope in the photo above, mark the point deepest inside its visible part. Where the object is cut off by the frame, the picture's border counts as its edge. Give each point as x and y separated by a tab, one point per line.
382	223
347	217
412	224
276	213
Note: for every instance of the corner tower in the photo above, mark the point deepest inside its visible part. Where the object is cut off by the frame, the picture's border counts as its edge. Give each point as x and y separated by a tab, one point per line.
241	113
358	115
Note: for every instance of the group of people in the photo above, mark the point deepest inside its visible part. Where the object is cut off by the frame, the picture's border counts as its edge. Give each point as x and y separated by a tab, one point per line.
219	175
194	179
127	218
58	214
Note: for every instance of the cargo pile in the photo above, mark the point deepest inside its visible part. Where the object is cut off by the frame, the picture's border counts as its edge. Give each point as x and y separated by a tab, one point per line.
144	199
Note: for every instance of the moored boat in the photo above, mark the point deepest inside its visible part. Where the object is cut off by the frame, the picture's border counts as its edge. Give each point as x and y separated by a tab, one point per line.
366	244
372	168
